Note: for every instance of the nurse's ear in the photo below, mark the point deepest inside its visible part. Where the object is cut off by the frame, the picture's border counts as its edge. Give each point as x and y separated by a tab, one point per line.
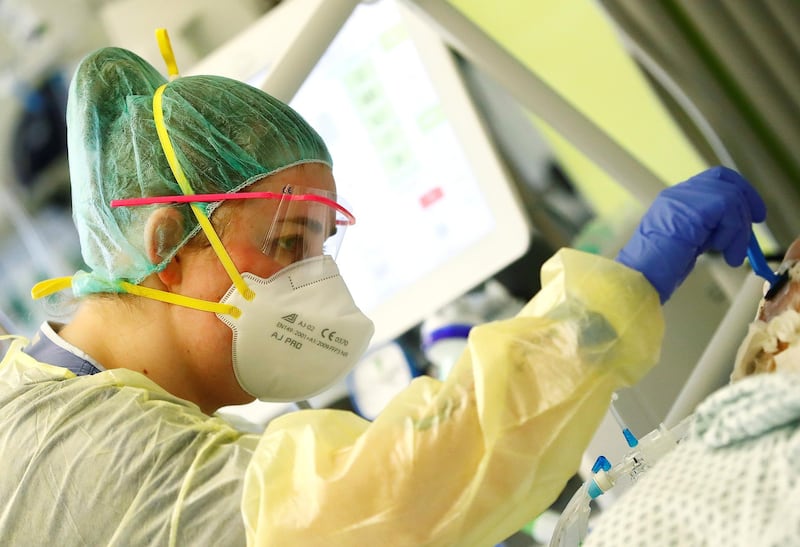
163	232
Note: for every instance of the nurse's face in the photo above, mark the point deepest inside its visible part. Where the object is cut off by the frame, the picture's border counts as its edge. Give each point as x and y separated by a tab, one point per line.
242	225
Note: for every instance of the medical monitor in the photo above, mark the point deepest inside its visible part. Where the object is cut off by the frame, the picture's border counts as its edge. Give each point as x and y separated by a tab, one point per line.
436	212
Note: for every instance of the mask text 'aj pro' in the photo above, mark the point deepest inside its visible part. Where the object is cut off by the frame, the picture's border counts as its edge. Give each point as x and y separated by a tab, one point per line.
300	334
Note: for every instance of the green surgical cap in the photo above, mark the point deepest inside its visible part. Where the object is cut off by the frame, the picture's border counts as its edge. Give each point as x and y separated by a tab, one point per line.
226	135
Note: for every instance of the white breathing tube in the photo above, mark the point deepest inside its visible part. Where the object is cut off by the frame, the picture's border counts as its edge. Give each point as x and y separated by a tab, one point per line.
573	525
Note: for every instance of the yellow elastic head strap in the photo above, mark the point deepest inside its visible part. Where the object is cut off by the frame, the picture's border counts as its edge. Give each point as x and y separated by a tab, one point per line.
165	47
50	286
180	177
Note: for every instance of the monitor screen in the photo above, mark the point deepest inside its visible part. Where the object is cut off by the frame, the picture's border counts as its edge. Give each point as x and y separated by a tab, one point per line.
412	183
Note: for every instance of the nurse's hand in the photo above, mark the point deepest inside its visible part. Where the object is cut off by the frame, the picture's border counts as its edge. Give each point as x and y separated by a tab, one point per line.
712	211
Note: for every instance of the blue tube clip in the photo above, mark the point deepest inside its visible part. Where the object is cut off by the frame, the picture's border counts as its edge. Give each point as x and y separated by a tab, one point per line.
759	264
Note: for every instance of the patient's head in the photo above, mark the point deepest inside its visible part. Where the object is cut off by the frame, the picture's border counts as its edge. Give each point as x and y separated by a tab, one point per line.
773	339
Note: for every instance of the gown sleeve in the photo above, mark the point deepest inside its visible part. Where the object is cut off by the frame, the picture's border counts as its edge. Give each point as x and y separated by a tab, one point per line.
470	460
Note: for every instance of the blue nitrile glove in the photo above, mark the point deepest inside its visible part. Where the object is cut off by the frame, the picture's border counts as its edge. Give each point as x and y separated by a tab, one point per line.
713	210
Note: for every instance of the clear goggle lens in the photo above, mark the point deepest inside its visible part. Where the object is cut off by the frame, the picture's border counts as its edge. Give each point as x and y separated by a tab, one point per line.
306	222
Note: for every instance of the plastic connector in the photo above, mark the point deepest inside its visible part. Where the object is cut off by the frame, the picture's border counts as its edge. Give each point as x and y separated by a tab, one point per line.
630	438
601	463
601	482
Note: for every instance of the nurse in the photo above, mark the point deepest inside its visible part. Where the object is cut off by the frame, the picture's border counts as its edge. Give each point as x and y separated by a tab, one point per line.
209	219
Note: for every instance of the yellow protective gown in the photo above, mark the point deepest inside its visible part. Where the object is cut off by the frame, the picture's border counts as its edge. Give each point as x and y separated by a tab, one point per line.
469	461
112	459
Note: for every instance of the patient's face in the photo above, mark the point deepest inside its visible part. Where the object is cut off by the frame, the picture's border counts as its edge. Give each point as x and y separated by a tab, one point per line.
773	339
789	296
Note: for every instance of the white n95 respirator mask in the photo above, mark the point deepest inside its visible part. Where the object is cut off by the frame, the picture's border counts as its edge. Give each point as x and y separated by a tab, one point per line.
299	335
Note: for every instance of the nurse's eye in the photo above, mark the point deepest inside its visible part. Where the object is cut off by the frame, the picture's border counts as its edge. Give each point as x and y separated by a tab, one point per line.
290	243
287	248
